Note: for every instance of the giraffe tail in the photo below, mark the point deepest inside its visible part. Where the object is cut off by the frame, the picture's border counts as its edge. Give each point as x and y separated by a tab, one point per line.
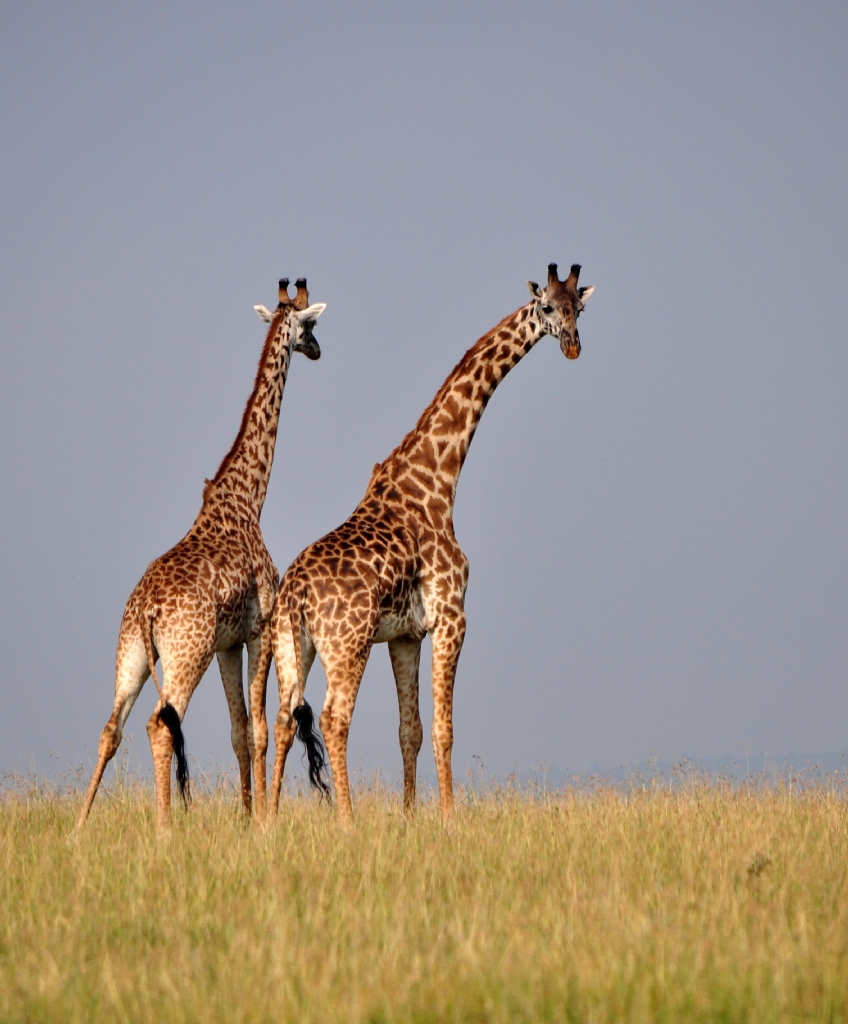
307	733
168	714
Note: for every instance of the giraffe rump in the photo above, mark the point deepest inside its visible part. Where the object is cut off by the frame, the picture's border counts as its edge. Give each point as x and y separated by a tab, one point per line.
168	716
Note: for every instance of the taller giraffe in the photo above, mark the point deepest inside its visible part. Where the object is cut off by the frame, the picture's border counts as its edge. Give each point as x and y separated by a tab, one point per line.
394	571
213	592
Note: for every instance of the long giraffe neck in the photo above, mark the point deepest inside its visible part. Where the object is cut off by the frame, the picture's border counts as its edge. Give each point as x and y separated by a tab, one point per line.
429	459
246	468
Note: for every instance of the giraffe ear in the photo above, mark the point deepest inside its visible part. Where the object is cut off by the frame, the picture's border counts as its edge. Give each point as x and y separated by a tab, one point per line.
263	313
311	312
585	294
535	290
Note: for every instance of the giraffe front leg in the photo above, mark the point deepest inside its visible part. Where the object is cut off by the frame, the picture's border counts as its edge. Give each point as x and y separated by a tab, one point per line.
258	666
447	638
405	654
230	667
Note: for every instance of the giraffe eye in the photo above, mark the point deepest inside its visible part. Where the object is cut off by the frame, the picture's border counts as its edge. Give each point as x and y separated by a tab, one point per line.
547	309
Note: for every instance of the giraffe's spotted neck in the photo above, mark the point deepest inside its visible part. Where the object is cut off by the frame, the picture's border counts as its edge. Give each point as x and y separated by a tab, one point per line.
246	468
428	461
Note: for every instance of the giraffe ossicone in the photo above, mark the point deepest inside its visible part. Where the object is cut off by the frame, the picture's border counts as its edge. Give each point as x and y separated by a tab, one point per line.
394	571
213	592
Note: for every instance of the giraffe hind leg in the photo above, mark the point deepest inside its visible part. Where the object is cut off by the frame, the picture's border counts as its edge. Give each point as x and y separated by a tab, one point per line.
344	674
164	729
311	739
171	720
131	673
287	684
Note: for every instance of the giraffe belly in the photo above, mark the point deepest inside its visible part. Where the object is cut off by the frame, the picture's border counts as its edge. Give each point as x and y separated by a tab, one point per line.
229	634
235	623
408	621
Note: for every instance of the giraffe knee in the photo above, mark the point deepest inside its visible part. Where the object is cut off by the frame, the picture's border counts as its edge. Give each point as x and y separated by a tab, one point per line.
110	738
335	729
412	736
442	738
242	739
239	737
326	721
284	729
157	732
260	738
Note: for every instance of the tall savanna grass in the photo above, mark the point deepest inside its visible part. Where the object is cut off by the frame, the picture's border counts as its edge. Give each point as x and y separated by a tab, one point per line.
644	901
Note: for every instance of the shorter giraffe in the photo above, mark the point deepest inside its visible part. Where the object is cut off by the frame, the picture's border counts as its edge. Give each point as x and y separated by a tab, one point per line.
394	572
213	591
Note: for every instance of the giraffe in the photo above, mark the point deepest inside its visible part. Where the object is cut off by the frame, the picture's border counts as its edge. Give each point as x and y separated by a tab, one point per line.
394	572
213	592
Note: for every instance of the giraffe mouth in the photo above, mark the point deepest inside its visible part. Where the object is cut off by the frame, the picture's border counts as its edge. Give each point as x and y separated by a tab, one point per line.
570	347
311	351
309	345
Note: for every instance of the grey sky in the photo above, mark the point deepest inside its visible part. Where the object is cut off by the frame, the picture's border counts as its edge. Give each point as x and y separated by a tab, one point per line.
657	532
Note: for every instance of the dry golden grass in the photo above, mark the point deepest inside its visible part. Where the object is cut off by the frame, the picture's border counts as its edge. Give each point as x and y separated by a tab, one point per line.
700	902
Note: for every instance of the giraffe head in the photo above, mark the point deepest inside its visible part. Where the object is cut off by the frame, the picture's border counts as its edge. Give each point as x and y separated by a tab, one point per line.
559	305
300	315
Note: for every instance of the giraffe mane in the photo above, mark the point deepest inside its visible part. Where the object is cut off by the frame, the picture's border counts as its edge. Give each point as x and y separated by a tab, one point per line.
450	381
245	416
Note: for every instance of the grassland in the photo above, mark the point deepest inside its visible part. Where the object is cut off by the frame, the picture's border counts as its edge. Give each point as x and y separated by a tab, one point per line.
699	901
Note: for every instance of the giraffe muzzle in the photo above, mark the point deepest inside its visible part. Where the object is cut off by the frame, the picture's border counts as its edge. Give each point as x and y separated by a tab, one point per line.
308	344
311	350
570	346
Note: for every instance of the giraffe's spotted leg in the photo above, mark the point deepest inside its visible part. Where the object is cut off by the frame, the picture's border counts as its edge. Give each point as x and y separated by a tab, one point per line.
182	674
110	739
289	691
447	640
284	730
344	674
405	653
230	666
162	748
131	672
258	665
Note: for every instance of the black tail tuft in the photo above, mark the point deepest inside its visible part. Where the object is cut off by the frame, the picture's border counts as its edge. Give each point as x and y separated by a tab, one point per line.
310	738
168	716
